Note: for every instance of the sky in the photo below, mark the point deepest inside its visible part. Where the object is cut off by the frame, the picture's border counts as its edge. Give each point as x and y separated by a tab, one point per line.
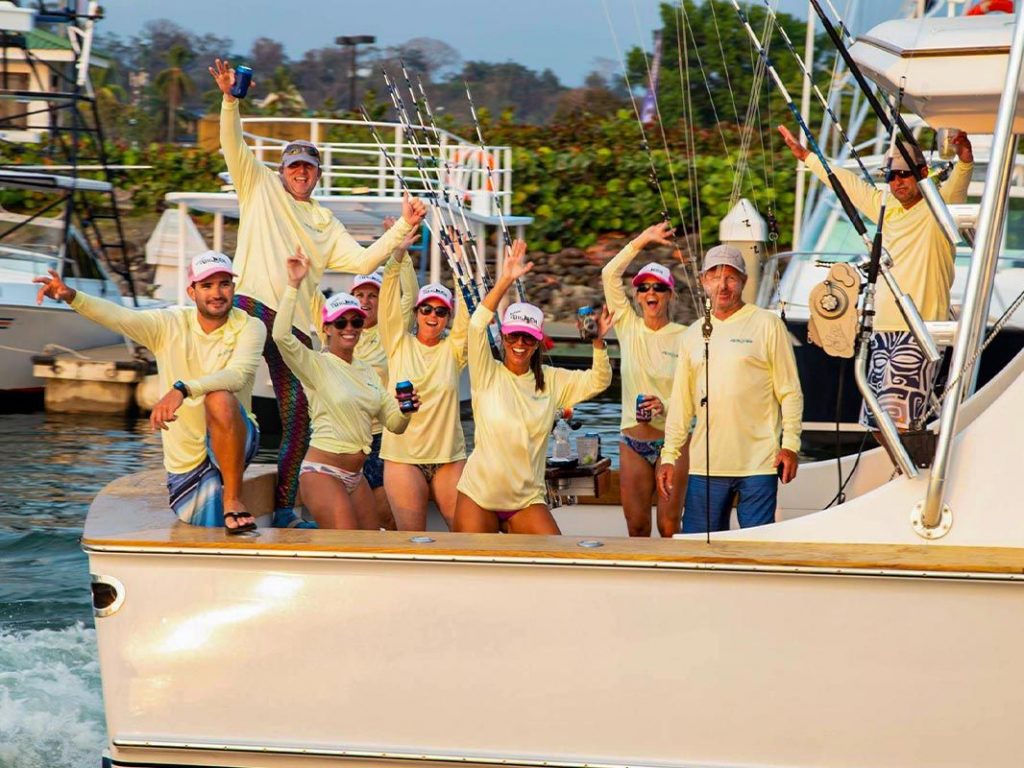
566	36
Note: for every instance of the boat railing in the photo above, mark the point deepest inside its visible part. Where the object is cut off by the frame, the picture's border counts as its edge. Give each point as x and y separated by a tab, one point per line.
353	163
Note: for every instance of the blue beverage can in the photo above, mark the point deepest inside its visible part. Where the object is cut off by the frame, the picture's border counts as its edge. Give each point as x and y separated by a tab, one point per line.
403	390
587	323
642	414
243	77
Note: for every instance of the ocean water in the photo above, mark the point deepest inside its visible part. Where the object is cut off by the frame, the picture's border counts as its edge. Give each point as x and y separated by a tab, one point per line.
51	705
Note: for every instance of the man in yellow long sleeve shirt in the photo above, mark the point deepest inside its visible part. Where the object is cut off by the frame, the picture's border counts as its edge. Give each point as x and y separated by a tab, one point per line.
899	373
755	395
210	353
277	214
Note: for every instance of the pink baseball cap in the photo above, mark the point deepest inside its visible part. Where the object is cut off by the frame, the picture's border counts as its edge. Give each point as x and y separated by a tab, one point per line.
375	278
338	305
435	291
523	318
209	263
656	272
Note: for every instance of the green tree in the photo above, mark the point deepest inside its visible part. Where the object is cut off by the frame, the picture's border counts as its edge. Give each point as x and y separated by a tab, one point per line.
174	84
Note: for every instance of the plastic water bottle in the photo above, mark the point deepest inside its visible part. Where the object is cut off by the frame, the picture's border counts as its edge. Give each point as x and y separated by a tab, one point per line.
561	450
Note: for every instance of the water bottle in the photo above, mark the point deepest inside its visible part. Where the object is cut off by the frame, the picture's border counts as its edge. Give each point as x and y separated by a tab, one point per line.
243	77
561	450
403	390
586	322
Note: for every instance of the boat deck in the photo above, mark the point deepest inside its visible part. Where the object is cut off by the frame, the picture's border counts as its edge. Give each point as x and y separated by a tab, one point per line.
132	515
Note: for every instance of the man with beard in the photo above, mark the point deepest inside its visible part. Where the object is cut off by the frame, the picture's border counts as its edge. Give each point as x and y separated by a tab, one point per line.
277	216
206	359
755	407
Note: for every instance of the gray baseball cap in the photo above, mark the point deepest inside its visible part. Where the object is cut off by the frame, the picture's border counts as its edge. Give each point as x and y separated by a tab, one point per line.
300	152
724	256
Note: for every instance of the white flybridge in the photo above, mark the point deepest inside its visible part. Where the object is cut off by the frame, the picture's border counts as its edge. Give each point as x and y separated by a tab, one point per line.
878	632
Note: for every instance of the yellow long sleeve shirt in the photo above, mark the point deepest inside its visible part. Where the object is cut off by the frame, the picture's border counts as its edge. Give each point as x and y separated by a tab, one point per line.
370	349
648	358
343	397
272	224
922	256
435	436
225	359
506	469
755	393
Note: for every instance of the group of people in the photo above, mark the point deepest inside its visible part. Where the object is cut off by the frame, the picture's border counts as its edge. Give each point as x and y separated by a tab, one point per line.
363	455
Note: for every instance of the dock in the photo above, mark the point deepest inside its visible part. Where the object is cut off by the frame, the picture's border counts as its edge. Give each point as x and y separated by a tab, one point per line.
97	380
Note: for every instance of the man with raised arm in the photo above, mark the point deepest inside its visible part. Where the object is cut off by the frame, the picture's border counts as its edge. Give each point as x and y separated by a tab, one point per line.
900	374
206	360
755	408
277	215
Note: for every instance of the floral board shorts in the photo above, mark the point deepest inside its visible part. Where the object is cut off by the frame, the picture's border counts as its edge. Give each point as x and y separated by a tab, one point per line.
901	377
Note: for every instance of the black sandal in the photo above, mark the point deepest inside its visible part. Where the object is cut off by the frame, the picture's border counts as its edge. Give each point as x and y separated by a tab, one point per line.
239	527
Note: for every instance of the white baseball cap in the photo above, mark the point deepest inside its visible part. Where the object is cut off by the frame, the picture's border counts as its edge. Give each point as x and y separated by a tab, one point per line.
656	272
208	263
435	291
338	305
374	278
724	256
524	318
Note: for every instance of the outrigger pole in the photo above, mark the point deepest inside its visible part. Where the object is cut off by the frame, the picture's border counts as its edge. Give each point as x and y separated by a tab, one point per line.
927	186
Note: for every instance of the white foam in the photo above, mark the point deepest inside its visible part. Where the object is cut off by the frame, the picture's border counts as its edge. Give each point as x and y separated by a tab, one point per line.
51	705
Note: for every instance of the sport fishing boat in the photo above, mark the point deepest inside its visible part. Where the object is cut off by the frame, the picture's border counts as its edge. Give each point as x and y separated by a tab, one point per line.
872	631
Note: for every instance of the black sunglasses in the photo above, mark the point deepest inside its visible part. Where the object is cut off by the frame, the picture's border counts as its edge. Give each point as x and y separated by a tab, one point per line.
301	149
902	175
430	309
656	287
522	337
343	322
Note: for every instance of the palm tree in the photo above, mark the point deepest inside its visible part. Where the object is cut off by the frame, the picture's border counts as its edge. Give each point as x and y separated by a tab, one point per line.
283	97
174	84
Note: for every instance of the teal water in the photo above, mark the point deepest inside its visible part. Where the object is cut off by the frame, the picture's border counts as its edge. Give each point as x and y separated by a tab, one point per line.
51	706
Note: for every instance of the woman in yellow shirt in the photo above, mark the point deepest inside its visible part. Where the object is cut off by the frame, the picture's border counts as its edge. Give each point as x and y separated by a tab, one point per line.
345	395
427	459
649	351
514	403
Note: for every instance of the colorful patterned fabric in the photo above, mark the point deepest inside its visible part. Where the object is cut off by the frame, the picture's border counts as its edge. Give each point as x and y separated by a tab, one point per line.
901	377
650	450
291	404
197	496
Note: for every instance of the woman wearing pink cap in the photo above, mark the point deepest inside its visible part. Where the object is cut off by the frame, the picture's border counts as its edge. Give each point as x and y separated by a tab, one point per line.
345	395
514	402
427	459
648	344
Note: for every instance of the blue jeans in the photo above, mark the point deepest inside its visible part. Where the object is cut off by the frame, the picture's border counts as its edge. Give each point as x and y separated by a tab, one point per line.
756	505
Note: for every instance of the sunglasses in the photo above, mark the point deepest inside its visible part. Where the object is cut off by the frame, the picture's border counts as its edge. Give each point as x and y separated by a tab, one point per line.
656	287
521	337
301	149
902	175
343	322
430	309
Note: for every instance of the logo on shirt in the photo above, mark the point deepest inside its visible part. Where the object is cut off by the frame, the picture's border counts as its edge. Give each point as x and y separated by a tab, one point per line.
735	340
670	354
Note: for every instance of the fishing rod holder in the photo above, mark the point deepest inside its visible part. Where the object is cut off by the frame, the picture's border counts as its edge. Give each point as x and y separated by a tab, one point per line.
940	211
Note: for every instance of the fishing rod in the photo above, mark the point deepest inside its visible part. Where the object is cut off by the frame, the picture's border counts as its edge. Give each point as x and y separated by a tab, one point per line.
904	302
490	177
927	186
818	94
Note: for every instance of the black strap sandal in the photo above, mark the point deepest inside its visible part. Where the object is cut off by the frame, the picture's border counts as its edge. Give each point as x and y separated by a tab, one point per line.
239	527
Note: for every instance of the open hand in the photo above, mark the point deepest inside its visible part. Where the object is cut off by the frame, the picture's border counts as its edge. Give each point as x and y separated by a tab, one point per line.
298	267
515	265
660	233
799	152
53	287
224	75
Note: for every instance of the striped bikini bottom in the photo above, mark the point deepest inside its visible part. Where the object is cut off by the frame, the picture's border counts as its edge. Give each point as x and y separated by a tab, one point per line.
349	479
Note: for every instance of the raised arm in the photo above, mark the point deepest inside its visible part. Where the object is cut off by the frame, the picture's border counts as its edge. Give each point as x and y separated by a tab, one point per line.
392	319
955	188
241	162
611	276
576	386
459	334
347	255
144	327
304	362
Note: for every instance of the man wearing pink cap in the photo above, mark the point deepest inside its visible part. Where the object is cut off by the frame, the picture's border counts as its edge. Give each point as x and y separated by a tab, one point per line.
747	403
206	361
277	214
648	351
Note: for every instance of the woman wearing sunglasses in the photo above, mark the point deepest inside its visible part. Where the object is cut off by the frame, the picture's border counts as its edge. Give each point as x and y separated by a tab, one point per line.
427	459
514	403
648	348
345	395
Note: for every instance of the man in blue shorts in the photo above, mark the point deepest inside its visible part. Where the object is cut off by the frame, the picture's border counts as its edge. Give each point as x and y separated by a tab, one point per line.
206	360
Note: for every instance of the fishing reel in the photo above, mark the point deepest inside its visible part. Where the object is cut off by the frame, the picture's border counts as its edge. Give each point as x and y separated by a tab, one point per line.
833	311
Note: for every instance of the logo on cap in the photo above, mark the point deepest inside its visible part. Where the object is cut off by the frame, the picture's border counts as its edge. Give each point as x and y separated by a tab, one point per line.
654	271
374	278
339	304
434	291
208	263
525	318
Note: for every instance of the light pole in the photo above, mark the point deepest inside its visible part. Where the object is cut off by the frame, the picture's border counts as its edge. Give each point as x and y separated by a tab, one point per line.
352	41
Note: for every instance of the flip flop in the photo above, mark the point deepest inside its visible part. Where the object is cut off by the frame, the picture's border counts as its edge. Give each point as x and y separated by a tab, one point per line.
239	527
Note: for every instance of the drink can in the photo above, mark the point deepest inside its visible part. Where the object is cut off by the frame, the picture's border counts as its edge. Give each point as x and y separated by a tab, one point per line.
403	390
642	414
587	323
243	77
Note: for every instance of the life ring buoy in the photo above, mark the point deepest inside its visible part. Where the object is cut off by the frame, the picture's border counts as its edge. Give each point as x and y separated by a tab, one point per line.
990	6
466	158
